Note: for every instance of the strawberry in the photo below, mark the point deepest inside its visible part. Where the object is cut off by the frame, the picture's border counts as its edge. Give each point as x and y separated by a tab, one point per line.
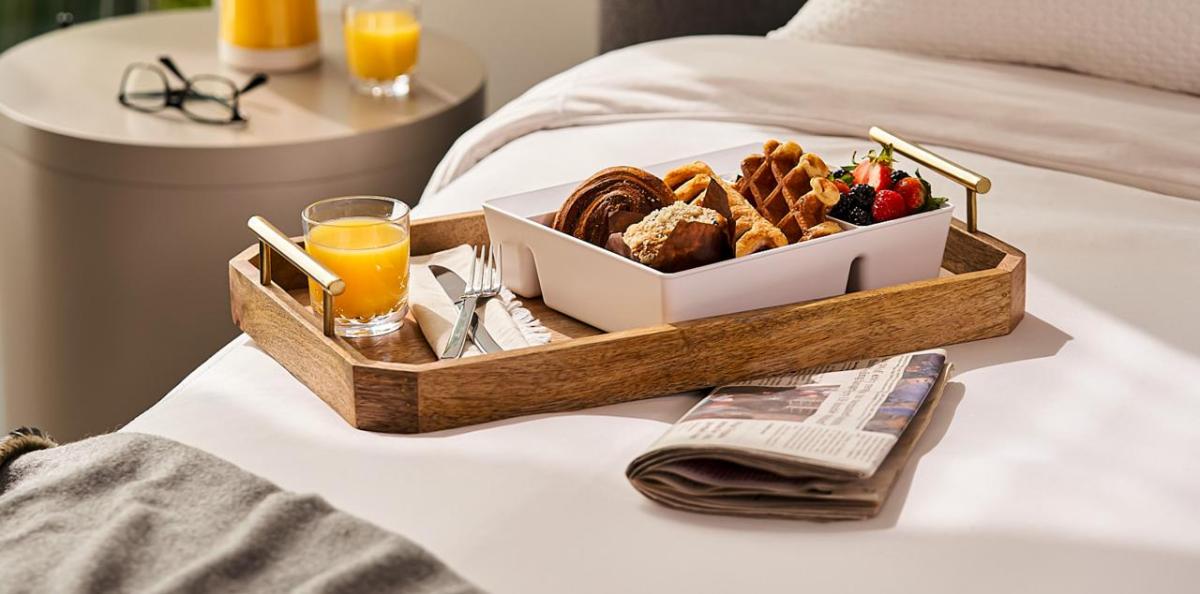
875	170
888	205
841	186
914	193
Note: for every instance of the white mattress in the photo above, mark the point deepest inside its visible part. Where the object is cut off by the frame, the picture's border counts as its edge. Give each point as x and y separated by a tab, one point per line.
1064	457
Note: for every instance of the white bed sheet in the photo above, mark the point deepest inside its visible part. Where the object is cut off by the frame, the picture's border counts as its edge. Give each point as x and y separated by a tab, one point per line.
1063	458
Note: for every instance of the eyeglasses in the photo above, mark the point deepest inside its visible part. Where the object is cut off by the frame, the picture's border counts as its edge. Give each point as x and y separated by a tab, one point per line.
204	98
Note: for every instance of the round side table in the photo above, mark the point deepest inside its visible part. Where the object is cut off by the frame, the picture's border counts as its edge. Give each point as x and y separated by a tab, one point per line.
116	227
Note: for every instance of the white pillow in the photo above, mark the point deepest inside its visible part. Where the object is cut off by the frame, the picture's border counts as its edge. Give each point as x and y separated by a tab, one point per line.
1149	42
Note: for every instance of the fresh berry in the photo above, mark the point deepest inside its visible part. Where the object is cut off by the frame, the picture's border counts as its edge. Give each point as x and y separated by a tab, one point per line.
841	186
898	175
858	215
875	170
861	196
888	205
914	193
844	175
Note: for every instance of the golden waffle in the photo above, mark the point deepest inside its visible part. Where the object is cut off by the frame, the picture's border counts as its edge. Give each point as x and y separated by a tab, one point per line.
777	182
762	177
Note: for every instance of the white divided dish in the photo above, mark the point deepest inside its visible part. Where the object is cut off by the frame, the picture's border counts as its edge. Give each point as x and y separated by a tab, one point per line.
613	293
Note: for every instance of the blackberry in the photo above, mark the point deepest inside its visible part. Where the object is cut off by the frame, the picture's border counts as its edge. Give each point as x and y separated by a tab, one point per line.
898	175
858	215
860	195
855	205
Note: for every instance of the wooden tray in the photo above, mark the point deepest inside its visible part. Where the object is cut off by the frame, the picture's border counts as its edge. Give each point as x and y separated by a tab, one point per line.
394	383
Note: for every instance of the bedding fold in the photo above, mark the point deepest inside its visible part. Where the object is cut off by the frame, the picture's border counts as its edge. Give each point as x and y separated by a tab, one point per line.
1100	128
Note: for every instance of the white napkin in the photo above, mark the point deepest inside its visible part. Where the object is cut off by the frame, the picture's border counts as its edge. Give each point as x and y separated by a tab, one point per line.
505	319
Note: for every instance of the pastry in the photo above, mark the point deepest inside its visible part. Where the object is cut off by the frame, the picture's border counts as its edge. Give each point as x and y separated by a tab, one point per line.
609	202
716	198
692	216
688	181
826	228
678	237
752	232
780	183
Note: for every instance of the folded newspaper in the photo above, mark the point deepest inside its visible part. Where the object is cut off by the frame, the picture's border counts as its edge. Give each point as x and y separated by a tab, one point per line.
822	444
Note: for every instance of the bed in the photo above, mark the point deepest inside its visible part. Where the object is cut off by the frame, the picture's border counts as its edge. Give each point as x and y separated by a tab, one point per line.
1063	457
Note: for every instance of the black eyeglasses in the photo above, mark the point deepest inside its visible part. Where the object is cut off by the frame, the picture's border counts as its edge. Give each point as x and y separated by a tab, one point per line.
204	98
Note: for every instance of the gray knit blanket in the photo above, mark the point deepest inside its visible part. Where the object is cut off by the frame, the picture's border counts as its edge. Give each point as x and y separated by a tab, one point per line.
137	513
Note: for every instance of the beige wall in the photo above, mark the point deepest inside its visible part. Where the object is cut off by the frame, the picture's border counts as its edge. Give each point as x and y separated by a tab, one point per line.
522	41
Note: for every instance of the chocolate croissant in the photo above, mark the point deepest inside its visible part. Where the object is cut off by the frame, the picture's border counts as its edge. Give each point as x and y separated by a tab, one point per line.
609	202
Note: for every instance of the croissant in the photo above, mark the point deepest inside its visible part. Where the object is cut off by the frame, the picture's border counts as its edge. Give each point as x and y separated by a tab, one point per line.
609	202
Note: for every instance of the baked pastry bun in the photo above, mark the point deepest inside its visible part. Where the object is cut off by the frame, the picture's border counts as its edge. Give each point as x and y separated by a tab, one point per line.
609	202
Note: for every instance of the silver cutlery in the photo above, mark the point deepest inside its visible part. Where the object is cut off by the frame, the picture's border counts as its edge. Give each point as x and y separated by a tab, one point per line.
454	286
483	282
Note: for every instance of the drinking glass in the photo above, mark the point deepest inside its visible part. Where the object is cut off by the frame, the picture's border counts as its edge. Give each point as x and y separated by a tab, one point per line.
382	40
365	241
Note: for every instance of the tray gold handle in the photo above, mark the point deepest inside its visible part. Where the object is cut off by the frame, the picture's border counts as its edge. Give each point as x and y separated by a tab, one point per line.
974	183
271	240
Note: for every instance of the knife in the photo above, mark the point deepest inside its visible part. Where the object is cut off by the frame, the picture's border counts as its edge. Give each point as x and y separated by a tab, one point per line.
454	285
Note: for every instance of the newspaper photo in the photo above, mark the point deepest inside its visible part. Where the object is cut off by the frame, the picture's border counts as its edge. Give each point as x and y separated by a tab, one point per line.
819	435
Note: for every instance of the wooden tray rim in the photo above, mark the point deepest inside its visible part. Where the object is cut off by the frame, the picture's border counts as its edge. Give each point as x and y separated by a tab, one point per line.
243	264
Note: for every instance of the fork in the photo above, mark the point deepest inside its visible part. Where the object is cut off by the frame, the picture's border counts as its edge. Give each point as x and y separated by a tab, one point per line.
484	281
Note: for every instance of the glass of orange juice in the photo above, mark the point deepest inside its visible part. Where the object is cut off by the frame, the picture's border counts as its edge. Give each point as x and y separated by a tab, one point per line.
382	40
363	240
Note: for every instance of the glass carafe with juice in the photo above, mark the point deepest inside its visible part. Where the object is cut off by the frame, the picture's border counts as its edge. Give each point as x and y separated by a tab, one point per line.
269	35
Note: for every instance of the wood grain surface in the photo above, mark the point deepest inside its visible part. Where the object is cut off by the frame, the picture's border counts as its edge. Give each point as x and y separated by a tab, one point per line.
395	384
291	334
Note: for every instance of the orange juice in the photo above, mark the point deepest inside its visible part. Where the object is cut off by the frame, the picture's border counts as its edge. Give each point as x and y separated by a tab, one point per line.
270	35
269	24
382	45
371	256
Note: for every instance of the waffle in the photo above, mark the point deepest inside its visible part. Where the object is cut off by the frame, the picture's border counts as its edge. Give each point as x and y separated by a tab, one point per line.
778	181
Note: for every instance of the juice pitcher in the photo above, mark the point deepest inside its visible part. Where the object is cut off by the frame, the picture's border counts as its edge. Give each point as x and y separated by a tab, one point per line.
269	35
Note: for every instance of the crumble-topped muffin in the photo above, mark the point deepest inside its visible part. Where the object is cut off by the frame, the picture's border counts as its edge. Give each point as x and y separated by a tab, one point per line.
647	237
